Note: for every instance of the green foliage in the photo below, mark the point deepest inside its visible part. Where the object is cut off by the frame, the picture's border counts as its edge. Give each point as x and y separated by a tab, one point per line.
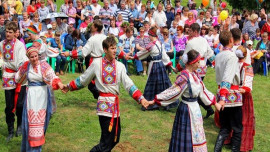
247	4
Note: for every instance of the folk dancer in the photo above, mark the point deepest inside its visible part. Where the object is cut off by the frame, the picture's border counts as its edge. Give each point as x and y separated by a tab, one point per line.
94	48
201	45
107	73
13	52
228	80
38	104
158	79
188	132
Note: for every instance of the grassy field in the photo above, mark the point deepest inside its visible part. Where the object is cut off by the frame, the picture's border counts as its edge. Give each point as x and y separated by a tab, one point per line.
75	126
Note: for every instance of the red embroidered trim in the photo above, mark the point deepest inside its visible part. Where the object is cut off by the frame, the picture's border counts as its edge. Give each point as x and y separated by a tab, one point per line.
136	95
55	83
74	54
157	101
72	85
121	55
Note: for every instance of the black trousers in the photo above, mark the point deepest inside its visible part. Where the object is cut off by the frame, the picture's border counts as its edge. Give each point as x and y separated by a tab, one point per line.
205	107
10	116
107	143
231	119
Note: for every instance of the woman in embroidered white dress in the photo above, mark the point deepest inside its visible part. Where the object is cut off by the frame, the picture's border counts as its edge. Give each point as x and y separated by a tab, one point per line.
38	105
188	133
158	79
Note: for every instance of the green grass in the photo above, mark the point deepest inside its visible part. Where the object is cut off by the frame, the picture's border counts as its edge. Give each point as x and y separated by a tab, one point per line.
75	126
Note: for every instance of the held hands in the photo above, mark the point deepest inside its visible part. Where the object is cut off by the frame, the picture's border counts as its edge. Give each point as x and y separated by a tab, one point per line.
174	70
60	85
218	106
222	104
65	89
145	103
66	54
129	56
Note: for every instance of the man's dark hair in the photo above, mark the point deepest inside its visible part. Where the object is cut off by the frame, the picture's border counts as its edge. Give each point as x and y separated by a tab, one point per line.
236	34
195	27
224	37
98	24
108	42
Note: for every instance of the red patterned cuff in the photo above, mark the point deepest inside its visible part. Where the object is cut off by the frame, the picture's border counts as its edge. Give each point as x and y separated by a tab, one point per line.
213	101
223	92
74	54
137	95
213	63
179	68
136	57
157	101
121	55
55	83
169	64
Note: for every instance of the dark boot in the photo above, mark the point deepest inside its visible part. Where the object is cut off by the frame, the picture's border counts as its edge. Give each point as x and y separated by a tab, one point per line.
10	132
19	124
236	142
219	143
19	131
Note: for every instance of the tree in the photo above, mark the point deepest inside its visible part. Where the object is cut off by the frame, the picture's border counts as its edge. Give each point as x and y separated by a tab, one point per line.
248	4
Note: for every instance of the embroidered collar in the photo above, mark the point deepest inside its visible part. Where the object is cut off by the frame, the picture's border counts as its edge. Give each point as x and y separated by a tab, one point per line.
237	44
108	61
227	49
10	42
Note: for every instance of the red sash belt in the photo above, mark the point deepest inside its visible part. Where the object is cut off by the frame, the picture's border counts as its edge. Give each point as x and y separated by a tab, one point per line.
116	107
233	87
17	89
202	58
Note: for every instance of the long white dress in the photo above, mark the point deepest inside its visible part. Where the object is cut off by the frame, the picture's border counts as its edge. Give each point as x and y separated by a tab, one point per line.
38	103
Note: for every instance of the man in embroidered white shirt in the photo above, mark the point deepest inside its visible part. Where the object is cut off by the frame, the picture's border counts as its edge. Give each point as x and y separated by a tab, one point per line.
107	73
14	55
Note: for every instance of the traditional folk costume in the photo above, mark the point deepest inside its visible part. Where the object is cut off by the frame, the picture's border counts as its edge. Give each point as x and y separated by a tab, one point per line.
201	45
158	79
14	55
228	80
94	48
248	119
107	75
188	132
38	103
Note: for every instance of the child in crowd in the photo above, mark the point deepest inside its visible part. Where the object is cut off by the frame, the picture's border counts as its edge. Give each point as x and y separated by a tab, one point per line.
60	59
119	20
127	44
173	29
216	35
209	37
256	39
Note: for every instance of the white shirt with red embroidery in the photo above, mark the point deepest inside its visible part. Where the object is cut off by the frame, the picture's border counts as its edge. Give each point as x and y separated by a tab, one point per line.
13	58
108	76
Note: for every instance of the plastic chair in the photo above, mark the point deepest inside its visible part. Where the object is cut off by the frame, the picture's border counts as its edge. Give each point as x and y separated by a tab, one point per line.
71	65
265	68
174	57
